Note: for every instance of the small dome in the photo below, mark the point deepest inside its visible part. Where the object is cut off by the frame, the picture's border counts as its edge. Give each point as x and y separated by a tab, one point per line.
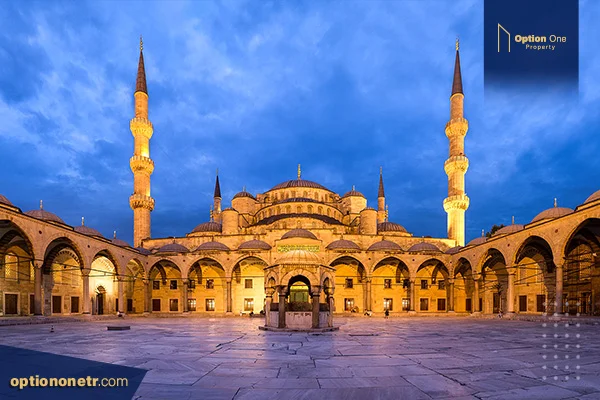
208	227
454	250
551	213
477	241
215	246
254	245
390	227
4	200
299	183
143	250
243	193
593	197
299	233
424	247
119	242
505	230
342	244
384	245
44	215
173	248
354	192
299	257
86	230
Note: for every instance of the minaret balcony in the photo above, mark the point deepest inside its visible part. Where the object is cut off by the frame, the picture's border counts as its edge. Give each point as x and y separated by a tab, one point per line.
457	202
456	163
141	126
141	164
457	127
138	200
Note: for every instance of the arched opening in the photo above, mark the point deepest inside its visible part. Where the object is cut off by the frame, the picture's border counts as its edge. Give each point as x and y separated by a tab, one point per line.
430	287
62	281
299	294
100	300
17	272
581	270
534	276
494	283
350	283
167	287
248	284
464	287
133	282
207	287
103	279
390	286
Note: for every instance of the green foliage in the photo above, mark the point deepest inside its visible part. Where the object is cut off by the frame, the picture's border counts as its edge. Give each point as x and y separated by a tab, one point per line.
493	230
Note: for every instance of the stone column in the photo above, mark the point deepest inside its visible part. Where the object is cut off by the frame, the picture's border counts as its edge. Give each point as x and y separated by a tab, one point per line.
558	299
413	295
510	292
86	291
147	296
185	296
315	309
120	293
229	300
37	292
281	323
369	306
451	295
268	301
475	298
331	302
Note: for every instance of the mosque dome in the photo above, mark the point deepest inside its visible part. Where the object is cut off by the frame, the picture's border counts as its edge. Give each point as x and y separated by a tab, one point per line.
254	245
593	197
216	246
505	230
454	250
299	233
243	193
208	227
551	213
384	245
119	242
343	244
299	257
390	227
302	183
45	215
4	200
86	230
476	241
354	192
173	248
424	247
143	250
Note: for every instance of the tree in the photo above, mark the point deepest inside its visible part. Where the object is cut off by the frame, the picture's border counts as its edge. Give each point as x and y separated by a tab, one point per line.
494	229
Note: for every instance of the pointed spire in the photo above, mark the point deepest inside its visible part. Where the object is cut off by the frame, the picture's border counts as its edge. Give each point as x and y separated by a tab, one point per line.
381	192
140	82
82	221
457	81
41	204
217	187
299	172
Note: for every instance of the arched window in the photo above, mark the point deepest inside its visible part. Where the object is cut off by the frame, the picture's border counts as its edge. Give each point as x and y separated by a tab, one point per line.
293	193
310	209
328	212
299	209
305	194
11	266
320	210
288	209
278	210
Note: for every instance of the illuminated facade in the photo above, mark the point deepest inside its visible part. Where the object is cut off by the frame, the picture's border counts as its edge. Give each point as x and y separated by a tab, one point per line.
300	247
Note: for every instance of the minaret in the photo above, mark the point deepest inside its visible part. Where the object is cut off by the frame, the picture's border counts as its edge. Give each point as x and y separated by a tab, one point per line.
141	164
456	165
381	210
217	200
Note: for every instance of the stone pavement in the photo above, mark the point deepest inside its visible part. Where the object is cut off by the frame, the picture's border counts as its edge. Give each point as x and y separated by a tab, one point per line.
368	358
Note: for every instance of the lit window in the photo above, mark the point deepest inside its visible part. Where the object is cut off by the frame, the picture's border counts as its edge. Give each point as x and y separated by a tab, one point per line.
387	284
210	304
191	284
173	284
248	304
348	304
387	304
191	304
210	284
424	284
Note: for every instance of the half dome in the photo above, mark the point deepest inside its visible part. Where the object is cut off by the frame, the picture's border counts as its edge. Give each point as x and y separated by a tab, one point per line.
212	246
343	244
208	227
424	247
551	213
476	241
299	183
299	257
254	245
45	215
505	230
384	245
299	233
390	227
173	248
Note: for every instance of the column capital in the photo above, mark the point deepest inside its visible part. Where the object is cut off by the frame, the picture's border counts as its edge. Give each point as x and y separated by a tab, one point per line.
450	281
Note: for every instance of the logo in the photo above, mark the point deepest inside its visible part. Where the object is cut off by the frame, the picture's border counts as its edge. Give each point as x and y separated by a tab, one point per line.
530	42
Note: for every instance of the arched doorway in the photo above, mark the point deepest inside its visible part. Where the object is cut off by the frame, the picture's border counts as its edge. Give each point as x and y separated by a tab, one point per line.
299	294
100	298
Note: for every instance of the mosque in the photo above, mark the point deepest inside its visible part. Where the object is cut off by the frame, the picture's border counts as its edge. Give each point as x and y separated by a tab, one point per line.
300	253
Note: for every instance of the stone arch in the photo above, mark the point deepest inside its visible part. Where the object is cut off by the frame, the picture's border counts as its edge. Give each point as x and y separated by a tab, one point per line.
13	234
248	285
108	254
310	276
55	246
494	282
464	286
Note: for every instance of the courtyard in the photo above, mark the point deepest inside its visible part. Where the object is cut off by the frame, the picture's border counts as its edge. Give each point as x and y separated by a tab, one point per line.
368	358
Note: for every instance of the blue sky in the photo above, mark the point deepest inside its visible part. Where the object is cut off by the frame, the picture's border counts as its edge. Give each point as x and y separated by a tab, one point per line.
254	88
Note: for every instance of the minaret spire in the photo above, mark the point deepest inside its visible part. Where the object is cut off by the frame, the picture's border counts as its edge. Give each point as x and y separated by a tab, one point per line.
217	198
381	209
141	164
457	164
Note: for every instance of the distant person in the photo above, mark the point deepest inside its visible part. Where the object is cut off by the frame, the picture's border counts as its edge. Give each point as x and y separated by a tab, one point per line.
387	313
